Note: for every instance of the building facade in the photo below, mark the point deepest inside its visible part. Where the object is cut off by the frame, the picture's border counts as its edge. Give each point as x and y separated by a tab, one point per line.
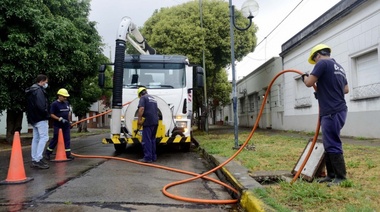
352	29
250	93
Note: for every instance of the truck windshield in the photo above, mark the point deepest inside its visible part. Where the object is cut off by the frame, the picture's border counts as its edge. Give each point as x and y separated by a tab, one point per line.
154	75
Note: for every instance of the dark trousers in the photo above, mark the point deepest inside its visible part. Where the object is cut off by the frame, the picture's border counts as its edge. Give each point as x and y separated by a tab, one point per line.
149	142
54	141
331	126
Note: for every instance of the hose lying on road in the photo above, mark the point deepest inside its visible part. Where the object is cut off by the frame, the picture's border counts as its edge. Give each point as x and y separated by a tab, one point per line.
204	175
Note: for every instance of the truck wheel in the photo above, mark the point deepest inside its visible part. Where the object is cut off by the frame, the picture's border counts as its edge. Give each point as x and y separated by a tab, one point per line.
185	147
120	147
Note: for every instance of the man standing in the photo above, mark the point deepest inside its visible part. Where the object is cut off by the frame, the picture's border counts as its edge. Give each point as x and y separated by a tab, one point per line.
61	114
331	82
148	110
38	116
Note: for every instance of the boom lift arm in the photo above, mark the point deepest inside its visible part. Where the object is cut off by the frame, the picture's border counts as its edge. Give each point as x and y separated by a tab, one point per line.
127	28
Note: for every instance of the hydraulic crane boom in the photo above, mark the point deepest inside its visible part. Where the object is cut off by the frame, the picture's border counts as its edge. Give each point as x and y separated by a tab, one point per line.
127	28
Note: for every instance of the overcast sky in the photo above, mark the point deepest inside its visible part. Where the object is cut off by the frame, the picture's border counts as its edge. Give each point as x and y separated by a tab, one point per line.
108	13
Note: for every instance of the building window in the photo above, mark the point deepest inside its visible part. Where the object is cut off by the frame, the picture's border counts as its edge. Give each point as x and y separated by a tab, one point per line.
366	75
251	101
242	105
279	96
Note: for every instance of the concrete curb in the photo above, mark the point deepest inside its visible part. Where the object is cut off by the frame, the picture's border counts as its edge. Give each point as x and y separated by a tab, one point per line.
236	175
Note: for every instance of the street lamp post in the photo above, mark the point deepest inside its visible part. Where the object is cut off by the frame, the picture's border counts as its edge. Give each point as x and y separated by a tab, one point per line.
250	9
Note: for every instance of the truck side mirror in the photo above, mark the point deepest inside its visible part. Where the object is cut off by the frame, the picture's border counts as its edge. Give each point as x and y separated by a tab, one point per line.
101	76
198	77
135	79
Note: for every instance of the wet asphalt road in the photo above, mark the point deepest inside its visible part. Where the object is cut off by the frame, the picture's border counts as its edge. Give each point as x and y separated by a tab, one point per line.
109	185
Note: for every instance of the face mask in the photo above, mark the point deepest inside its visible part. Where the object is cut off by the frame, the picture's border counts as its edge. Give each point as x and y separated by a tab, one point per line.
45	86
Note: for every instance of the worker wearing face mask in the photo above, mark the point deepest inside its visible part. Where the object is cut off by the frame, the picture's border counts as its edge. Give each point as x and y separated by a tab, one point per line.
38	114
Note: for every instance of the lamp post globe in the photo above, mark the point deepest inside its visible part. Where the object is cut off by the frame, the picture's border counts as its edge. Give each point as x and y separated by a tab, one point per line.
250	9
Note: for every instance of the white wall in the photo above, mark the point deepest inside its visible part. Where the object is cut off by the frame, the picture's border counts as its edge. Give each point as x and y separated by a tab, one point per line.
250	91
3	124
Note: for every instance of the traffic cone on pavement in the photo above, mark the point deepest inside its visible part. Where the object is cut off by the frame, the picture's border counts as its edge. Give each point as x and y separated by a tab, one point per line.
60	155
16	171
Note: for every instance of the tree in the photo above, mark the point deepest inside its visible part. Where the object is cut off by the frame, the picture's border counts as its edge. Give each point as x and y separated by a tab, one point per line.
45	37
221	87
177	30
89	94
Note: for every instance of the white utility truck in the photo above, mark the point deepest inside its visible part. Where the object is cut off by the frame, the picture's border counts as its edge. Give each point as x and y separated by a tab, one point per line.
169	78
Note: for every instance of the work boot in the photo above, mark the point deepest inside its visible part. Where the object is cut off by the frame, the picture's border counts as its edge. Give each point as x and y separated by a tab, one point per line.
47	154
44	162
338	163
330	171
70	157
39	165
145	161
335	182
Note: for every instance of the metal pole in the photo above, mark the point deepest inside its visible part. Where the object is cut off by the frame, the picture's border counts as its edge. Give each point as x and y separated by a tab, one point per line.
204	66
234	100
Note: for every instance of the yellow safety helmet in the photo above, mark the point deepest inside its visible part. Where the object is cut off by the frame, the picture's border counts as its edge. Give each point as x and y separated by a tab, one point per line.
316	49
63	92
141	89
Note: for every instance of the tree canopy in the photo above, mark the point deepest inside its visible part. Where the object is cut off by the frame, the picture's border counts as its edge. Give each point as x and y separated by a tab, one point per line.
177	30
48	37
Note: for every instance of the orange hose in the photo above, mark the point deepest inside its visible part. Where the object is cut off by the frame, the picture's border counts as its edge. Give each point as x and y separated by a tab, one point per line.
100	114
204	175
169	169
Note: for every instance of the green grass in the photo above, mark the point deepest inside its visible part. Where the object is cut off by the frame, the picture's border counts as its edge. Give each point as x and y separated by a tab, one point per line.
281	152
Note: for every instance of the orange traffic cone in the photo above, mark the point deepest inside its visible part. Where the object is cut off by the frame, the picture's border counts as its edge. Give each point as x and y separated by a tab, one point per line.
16	171
60	155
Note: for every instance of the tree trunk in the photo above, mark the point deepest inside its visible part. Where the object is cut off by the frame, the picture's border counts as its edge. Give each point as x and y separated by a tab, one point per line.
82	127
199	121
14	123
214	116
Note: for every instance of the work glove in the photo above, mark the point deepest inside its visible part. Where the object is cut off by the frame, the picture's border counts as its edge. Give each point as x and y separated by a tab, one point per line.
64	121
303	76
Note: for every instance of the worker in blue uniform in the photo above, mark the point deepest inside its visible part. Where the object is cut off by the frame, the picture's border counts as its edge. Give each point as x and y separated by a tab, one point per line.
331	86
148	119
61	114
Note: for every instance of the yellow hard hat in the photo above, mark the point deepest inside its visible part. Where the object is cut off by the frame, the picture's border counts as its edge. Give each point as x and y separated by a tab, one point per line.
316	49
140	90
63	92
